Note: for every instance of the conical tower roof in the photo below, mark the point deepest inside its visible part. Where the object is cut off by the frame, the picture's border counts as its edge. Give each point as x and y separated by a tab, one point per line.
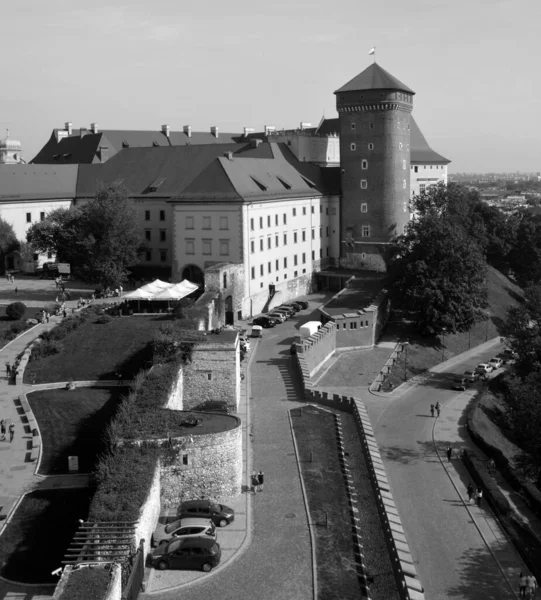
374	78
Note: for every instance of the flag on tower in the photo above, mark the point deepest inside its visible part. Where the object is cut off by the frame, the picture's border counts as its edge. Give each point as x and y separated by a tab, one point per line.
373	51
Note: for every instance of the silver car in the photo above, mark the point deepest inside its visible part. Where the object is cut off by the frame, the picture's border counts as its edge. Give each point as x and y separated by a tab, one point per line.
182	528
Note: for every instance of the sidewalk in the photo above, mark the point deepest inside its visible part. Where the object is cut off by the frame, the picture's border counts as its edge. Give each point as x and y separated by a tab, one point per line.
450	426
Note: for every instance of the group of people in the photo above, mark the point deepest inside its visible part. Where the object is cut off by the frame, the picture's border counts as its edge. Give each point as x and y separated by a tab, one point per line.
474	495
11	430
435	408
10	278
45	317
527	585
257	482
12	372
109	293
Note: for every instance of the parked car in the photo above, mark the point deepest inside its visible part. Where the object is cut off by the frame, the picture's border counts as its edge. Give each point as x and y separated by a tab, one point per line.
277	315
183	528
290	307
219	514
188	553
495	363
460	383
284	311
295	305
508	355
219	406
471	376
302	303
483	369
265	321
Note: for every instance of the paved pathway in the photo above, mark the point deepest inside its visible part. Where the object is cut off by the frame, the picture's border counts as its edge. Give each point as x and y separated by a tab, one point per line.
462	551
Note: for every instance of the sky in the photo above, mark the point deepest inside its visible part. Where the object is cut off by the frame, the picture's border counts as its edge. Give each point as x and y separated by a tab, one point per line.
474	65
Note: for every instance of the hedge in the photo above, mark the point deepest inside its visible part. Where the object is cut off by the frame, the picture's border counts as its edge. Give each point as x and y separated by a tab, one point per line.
88	583
124	478
15	310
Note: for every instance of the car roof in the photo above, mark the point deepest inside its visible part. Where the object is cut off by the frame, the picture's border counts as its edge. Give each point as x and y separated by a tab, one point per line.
194	503
193	542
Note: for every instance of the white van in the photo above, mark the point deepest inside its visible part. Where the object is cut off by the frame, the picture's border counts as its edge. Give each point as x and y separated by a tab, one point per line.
309	328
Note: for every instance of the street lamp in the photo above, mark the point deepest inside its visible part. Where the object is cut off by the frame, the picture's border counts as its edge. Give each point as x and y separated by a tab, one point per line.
443	343
405	346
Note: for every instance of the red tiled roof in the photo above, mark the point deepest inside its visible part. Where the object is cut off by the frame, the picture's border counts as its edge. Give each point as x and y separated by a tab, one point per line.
374	77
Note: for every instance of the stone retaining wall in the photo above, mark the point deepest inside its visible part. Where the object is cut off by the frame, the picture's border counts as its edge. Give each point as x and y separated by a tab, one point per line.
317	348
376	385
150	512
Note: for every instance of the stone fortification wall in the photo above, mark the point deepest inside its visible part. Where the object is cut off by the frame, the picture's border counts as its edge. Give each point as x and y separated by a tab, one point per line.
212	374
150	511
317	348
202	466
284	292
228	279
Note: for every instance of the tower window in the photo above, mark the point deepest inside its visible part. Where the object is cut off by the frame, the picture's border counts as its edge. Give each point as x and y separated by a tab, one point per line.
353	146
416	169
364	164
363	255
365	232
364	184
353	127
371	125
370	146
364	207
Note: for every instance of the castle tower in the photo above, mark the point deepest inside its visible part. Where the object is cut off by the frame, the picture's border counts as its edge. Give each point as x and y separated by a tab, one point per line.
374	113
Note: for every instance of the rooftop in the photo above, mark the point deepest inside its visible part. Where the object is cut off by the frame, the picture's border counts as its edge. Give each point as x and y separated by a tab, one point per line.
374	77
359	294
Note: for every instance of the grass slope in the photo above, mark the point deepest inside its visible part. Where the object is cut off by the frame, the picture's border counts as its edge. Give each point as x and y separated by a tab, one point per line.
97	351
72	423
425	352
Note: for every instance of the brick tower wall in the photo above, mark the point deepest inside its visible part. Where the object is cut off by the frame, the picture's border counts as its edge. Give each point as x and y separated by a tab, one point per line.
378	123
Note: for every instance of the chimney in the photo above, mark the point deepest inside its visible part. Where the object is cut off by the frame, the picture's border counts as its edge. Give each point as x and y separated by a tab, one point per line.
229	155
254	142
269	129
248	130
94	127
187	130
68	127
305	125
166	130
215	130
104	153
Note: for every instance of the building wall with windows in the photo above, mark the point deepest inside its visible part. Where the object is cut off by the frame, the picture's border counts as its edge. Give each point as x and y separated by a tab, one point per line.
155	220
422	176
22	214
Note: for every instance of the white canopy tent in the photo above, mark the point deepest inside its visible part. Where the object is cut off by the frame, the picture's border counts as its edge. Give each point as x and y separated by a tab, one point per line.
161	290
156	286
177	291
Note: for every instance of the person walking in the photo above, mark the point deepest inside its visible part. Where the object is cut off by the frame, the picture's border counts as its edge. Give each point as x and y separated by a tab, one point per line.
522	584
260	479
16	291
8	370
479	496
119	377
11	431
438	410
449	453
255	482
432	409
469	491
2	430
531	585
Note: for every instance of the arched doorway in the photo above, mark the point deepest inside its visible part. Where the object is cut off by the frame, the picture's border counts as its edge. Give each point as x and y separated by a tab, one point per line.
229	316
194	274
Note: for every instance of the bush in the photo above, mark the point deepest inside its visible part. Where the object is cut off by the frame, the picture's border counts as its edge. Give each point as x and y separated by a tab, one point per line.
103	320
15	310
16	328
44	349
85	583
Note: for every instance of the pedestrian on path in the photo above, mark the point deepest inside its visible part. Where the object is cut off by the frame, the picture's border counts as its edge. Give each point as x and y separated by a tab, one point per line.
532	585
449	453
119	377
16	291
432	409
8	370
469	491
2	430
11	431
255	483
479	496
260	480
523	584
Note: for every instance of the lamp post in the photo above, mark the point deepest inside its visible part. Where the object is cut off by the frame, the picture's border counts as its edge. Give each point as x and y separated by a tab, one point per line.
405	346
443	343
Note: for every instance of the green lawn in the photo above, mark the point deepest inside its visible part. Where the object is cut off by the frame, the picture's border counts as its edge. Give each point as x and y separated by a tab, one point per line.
97	351
425	352
36	539
72	424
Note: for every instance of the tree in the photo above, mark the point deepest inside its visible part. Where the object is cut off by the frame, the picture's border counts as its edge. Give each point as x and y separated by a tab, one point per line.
100	239
8	241
438	274
525	256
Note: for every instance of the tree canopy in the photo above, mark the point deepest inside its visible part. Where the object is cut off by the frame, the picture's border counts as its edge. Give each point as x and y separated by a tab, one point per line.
8	239
439	272
101	239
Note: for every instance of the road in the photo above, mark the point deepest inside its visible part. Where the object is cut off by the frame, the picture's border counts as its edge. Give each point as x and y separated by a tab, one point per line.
453	560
